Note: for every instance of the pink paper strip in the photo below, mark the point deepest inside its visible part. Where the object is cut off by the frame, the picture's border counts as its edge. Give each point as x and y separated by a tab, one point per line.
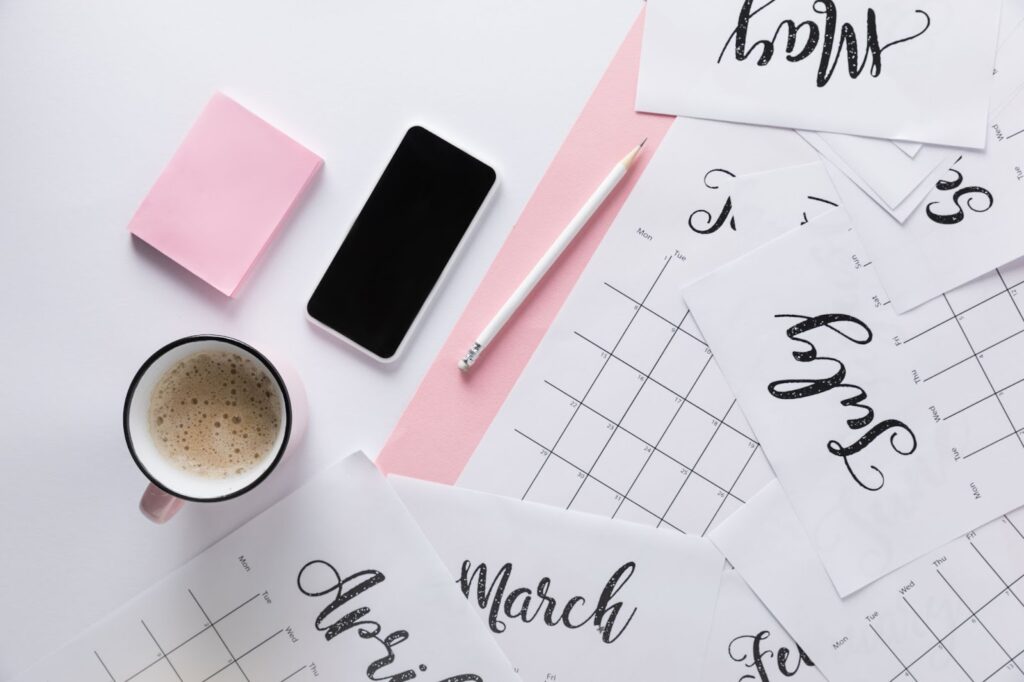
450	411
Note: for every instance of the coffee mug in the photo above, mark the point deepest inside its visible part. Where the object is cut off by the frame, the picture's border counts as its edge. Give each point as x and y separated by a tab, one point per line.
171	485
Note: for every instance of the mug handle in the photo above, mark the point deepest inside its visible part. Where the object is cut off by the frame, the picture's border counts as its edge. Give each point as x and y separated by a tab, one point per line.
159	506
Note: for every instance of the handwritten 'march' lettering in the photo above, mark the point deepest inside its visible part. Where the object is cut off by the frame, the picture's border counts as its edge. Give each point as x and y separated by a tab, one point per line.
526	605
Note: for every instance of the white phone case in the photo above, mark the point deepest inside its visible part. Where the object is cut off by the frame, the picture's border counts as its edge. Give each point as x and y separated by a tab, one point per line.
444	273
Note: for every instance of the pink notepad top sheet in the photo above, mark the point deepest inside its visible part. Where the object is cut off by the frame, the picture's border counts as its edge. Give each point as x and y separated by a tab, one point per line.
226	191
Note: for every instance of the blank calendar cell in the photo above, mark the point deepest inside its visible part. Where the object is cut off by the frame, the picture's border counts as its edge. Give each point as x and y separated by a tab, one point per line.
614	389
622	461
991	322
555	483
651	413
594	497
584	438
658	484
645	340
694	505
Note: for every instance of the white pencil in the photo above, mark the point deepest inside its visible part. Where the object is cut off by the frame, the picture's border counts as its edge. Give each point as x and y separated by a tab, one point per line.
549	258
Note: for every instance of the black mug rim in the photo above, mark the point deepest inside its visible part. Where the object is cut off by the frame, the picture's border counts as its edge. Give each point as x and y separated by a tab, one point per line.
194	339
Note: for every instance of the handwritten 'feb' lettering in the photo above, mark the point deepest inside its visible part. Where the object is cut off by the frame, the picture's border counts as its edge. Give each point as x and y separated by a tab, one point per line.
328	582
790	389
812	36
758	653
517	603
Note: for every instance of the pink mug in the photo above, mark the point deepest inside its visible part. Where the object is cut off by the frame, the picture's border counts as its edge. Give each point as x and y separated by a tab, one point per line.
170	486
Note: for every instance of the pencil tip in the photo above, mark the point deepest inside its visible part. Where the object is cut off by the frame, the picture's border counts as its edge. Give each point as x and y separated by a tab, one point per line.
643	143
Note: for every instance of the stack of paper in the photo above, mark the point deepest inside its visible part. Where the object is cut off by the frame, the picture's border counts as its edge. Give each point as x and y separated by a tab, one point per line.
875	351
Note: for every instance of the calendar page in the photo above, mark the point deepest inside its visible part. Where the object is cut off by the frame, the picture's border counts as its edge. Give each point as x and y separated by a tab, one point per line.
956	613
622	410
568	596
335	582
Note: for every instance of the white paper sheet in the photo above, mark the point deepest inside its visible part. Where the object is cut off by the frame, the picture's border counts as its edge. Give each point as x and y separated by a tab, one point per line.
622	411
968	224
835	390
335	582
921	70
1008	74
1012	16
900	182
837	164
568	596
956	613
909	148
779	199
747	643
885	170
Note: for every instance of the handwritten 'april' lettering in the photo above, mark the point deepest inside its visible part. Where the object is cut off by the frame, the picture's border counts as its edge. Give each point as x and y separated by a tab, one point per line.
517	603
813	36
791	389
319	578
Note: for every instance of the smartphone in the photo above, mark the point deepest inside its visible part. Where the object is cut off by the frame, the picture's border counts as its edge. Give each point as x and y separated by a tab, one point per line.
401	244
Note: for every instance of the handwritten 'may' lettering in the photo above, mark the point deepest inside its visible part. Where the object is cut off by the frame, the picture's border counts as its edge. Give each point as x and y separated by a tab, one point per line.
813	36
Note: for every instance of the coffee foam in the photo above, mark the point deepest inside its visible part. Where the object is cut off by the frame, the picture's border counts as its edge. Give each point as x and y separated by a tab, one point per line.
215	414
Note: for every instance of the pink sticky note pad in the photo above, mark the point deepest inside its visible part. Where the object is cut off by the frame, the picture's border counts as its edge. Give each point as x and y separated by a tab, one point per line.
224	194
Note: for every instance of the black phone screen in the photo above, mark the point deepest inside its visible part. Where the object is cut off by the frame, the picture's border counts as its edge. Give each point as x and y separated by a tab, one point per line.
400	242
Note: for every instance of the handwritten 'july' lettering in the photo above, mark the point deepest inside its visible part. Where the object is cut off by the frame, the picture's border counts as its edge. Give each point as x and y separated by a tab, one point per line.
328	582
791	389
517	604
813	35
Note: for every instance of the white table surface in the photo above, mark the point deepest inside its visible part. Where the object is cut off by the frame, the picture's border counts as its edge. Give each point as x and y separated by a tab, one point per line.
94	98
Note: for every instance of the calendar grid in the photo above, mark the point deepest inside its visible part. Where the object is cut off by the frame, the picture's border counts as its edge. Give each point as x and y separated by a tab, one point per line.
675	394
105	668
675	327
607	359
905	669
938	640
699	458
657	445
555	454
974	617
653	446
210	625
163	654
716	492
646	375
213	626
996	386
984	373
